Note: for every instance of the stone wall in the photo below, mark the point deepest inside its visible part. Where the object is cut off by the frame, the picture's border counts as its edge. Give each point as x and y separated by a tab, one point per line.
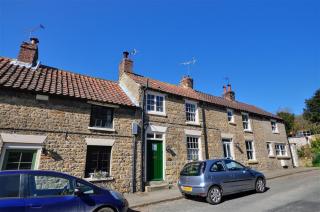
65	122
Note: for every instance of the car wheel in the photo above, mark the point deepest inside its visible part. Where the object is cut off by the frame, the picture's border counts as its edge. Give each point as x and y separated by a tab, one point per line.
260	185
214	195
105	209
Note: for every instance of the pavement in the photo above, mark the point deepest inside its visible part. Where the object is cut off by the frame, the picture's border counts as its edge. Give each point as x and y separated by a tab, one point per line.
143	199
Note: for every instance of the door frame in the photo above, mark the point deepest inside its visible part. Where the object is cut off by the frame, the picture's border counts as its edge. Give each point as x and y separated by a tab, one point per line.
160	130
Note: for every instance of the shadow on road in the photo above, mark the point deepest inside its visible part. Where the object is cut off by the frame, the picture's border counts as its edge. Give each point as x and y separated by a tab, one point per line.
132	210
229	197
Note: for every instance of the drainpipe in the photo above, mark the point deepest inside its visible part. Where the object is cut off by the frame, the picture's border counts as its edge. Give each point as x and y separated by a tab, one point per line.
134	158
144	124
205	131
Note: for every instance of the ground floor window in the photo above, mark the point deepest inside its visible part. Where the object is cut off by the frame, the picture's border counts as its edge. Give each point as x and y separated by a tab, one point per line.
227	148
16	159
193	152
98	161
250	150
281	150
270	149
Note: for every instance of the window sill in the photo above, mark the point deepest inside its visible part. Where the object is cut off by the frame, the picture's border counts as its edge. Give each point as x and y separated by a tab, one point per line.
283	157
102	129
271	156
253	162
193	123
275	132
247	131
99	179
156	113
232	123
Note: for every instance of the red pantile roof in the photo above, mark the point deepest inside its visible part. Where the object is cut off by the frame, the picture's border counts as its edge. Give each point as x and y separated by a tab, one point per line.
193	94
49	80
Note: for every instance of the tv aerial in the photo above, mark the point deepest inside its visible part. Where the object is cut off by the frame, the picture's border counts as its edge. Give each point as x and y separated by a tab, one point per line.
134	52
189	63
33	29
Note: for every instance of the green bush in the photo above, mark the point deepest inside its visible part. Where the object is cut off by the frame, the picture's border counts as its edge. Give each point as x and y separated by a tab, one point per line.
315	149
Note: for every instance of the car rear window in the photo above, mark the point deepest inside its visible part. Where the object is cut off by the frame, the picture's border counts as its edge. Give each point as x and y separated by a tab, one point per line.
193	169
10	185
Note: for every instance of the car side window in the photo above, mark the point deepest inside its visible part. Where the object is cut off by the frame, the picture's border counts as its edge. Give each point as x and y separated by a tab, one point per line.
85	188
49	185
217	167
10	186
233	166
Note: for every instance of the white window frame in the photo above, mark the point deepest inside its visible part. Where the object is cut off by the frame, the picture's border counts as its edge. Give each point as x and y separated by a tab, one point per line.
196	121
23	142
252	150
155	112
230	143
280	151
276	130
232	117
249	129
270	149
194	139
196	134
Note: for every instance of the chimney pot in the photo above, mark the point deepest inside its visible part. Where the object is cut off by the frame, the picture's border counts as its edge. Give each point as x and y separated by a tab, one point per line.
29	52
126	64
228	93
186	82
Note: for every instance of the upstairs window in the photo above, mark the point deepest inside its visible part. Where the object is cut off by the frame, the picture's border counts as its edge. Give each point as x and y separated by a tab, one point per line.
281	150
274	126
246	122
101	117
155	103
250	150
230	116
191	112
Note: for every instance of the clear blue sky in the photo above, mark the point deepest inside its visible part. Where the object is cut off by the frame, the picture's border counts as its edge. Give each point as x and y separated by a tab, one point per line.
270	49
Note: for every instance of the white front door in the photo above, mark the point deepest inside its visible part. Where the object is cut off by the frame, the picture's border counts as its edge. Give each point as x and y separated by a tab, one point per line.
227	148
294	155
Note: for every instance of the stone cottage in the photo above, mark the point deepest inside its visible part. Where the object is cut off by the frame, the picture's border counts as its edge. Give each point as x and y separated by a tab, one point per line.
182	124
58	120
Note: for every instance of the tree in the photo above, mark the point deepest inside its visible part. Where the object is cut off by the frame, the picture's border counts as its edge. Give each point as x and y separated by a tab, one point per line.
312	110
288	119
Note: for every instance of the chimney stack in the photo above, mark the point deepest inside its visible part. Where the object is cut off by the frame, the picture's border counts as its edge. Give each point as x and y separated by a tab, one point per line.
186	82
126	64
228	93
29	52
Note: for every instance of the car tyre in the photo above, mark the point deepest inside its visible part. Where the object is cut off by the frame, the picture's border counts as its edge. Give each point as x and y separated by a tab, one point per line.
214	195
260	185
106	209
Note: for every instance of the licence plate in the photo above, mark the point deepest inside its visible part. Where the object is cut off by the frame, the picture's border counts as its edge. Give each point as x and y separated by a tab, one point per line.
186	188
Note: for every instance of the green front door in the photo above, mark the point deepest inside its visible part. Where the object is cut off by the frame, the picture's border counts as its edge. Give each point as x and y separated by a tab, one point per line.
15	159
154	160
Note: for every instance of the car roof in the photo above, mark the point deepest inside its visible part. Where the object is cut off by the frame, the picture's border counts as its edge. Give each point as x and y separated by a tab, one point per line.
33	172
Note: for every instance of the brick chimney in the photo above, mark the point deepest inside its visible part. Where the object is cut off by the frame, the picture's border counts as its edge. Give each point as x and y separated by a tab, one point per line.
228	93
29	52
186	82
126	64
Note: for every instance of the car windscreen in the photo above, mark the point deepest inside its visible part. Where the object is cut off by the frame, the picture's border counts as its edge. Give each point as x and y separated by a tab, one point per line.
192	169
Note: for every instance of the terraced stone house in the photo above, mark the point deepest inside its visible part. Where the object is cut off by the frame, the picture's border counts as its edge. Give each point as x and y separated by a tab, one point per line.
59	120
129	135
182	124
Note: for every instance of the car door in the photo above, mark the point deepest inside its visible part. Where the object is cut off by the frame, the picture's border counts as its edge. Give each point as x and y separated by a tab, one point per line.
220	176
11	193
50	192
242	178
90	198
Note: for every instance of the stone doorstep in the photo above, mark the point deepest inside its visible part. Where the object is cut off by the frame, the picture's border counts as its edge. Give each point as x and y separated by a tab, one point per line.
158	186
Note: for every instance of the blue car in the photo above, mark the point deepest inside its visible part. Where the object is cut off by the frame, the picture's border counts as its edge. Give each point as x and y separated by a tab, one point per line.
215	178
30	190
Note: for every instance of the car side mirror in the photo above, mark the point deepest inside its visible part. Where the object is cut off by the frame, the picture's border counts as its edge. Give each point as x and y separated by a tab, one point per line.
248	168
78	192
